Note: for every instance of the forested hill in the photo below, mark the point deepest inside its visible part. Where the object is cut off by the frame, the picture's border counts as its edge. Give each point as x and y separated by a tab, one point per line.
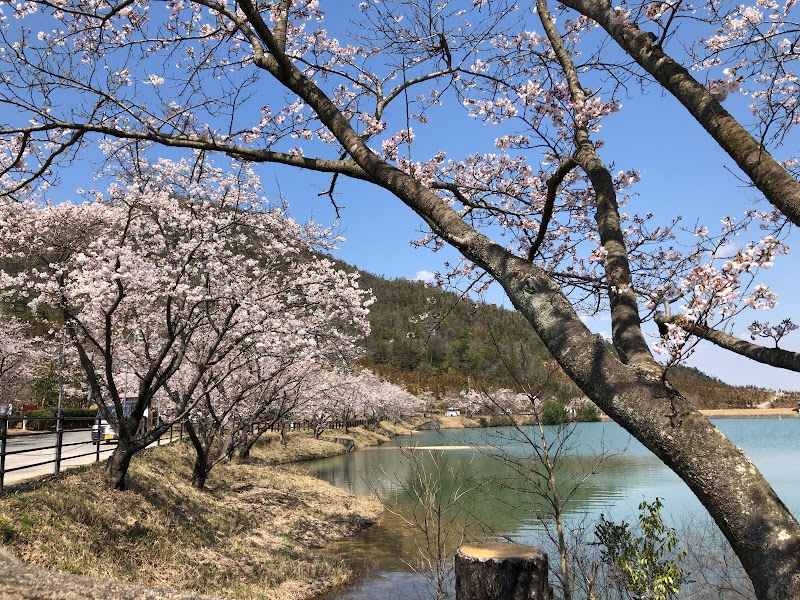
426	339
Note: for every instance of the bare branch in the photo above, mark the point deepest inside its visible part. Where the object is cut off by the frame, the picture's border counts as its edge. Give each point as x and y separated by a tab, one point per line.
547	213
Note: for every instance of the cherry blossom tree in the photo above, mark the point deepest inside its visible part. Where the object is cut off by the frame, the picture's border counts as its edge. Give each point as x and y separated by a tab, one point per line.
536	209
238	403
379	400
21	355
262	382
346	394
337	396
171	274
320	406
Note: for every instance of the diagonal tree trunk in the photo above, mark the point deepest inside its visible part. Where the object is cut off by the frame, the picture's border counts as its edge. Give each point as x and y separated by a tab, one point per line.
761	530
779	187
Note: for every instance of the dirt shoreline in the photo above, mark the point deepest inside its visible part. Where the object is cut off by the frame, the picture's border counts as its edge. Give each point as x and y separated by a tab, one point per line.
712	413
748	413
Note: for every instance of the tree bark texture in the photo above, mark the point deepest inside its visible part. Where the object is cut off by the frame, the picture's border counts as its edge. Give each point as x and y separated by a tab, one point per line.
501	572
201	467
117	468
200	471
761	530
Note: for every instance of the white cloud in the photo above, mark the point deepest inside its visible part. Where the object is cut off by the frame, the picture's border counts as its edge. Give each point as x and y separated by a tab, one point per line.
425	276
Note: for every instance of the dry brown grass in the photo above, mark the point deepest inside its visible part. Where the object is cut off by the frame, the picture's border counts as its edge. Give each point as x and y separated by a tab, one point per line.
393	429
458	422
251	534
299	446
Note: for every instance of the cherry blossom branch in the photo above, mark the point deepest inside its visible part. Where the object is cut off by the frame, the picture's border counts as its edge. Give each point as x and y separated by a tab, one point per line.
242	25
774	357
196	142
625	320
43	167
456	191
777	185
399	89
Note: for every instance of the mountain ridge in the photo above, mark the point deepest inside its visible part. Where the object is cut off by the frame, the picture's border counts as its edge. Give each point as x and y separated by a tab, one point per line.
430	340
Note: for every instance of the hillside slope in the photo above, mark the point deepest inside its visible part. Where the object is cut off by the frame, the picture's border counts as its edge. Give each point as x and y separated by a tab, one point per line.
428	339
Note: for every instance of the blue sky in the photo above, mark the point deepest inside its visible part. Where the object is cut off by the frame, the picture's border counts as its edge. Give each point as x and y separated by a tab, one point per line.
683	172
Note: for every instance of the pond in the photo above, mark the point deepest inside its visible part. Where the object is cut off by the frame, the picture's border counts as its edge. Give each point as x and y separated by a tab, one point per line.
486	464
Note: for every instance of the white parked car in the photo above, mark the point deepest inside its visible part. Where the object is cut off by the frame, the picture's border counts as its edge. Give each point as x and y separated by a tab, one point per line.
104	431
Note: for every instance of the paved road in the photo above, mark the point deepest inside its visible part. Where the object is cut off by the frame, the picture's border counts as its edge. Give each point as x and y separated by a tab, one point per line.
78	449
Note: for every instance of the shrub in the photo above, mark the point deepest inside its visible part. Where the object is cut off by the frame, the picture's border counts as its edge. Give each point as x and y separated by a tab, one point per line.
553	413
587	413
644	561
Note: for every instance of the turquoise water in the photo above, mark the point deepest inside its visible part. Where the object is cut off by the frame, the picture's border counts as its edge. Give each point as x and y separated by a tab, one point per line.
628	474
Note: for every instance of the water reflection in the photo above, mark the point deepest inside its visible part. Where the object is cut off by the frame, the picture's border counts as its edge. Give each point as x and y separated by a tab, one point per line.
629	475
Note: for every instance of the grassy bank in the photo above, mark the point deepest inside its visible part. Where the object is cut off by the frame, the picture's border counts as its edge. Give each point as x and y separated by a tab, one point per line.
253	533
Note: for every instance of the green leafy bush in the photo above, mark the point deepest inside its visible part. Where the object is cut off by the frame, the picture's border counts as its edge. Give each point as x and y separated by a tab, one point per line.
643	561
587	413
553	413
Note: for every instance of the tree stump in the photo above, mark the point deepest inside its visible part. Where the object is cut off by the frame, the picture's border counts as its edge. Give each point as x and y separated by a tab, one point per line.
501	571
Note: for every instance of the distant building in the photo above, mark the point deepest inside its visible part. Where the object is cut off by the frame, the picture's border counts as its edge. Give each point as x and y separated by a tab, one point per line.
452	412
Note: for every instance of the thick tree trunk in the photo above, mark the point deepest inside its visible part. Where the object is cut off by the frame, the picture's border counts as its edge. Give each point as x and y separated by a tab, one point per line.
116	472
762	532
201	466
282	432
200	471
250	440
247	446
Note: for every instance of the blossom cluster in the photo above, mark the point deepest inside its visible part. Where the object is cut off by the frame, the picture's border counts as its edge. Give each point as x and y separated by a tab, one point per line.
171	274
